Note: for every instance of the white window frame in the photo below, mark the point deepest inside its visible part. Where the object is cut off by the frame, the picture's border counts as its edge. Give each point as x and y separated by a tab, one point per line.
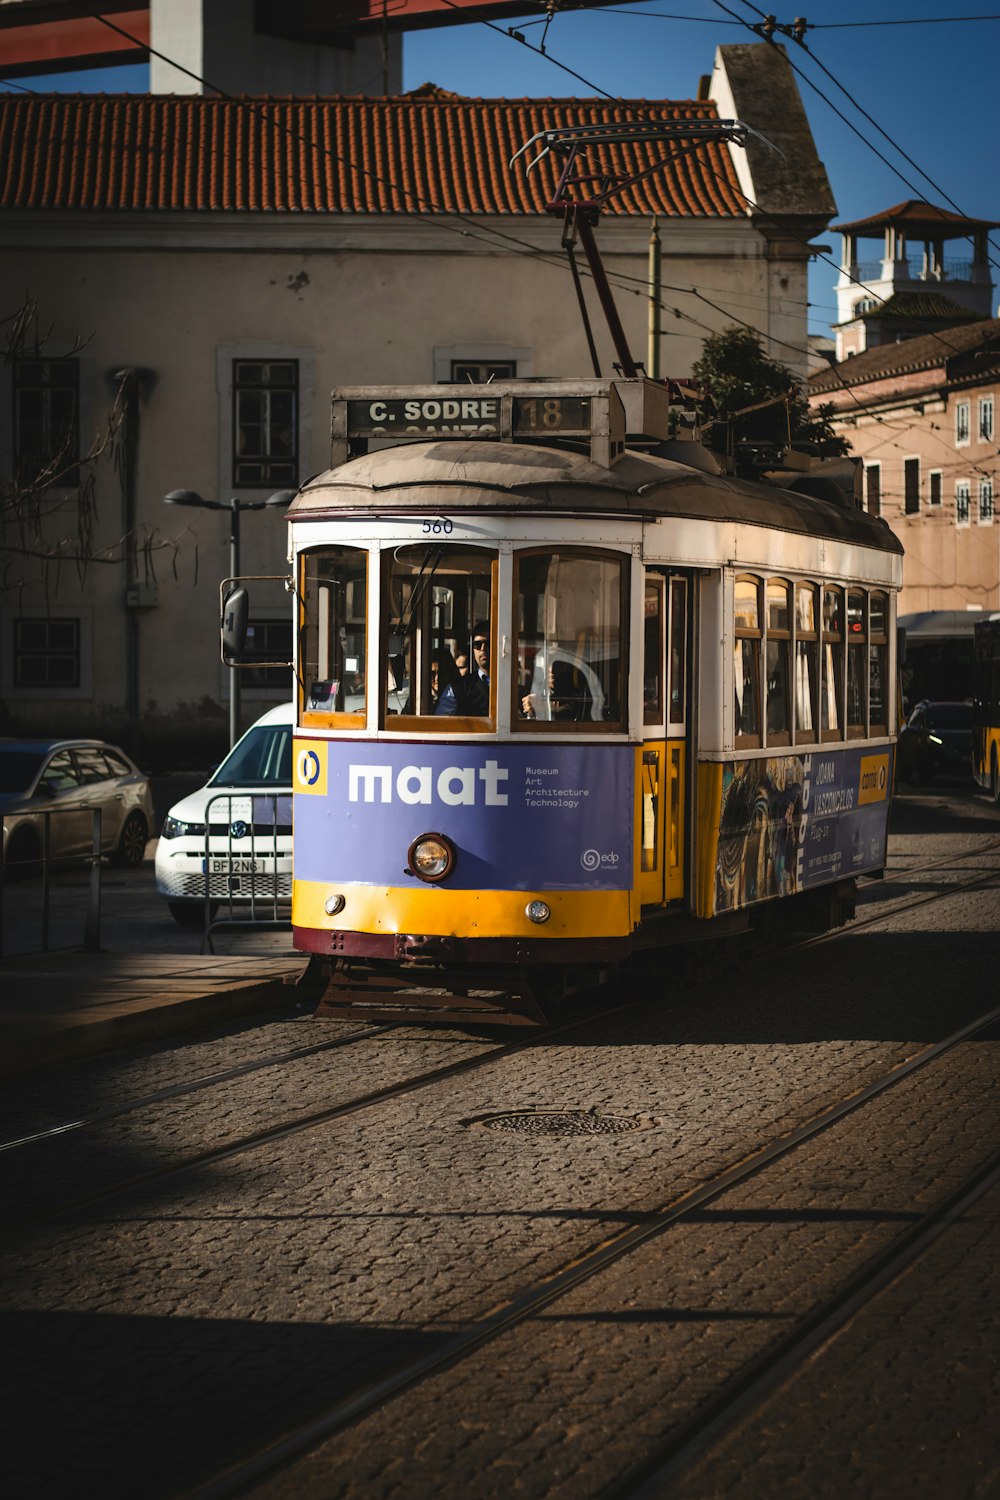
911	458
963	490
875	468
933	474
984	424
985	493
80	613
484	352
963	423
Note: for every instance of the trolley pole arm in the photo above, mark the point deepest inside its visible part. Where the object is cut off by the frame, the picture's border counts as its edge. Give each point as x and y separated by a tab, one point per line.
585	230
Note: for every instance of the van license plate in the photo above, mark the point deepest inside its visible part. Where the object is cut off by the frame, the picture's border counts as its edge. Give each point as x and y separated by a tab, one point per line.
234	867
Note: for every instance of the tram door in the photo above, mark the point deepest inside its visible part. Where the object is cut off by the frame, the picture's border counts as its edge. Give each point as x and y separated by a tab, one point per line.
661	812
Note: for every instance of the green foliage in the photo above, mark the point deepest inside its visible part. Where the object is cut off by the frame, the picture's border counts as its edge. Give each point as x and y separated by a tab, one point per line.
760	400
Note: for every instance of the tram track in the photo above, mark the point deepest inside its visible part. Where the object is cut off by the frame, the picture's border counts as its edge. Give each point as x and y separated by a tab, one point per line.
739	1397
751	1384
317	1118
193	1086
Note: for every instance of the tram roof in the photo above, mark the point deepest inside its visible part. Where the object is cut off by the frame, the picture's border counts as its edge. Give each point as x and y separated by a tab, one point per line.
478	475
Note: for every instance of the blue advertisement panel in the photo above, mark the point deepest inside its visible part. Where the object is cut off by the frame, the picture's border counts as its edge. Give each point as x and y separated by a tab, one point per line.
794	822
521	817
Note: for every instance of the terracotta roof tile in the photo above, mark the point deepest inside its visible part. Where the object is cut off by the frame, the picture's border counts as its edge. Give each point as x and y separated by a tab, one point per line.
428	153
917	217
927	351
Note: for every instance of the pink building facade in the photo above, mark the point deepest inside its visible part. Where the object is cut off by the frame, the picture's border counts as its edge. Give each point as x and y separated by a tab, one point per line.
923	417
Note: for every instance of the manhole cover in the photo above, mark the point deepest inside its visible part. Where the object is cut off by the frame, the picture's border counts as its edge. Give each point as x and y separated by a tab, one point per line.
563	1122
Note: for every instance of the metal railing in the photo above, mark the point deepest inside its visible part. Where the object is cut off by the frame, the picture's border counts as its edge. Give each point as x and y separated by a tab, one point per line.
11	871
243	884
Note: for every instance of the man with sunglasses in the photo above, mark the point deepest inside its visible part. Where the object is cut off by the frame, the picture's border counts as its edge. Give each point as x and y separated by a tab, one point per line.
476	686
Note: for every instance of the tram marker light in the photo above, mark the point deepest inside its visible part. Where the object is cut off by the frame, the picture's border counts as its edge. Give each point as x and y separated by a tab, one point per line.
537	911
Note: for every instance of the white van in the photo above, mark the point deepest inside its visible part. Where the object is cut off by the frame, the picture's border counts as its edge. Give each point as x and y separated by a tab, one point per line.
248	805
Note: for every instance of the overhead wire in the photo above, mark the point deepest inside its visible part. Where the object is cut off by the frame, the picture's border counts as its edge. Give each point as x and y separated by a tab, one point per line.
857	105
524	247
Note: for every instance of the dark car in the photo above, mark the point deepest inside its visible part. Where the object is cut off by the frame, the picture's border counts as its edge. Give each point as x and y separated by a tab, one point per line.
67	779
936	740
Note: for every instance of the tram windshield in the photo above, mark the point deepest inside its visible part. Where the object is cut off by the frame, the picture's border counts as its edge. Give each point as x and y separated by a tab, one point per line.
437	610
332	642
569	658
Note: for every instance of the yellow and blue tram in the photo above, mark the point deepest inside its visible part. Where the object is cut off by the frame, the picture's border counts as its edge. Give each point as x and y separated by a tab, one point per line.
565	690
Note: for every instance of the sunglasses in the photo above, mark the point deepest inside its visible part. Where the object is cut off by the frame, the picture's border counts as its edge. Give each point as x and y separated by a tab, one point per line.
480	645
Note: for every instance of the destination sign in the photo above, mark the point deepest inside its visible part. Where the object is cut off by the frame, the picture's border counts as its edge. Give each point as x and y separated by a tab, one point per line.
429	416
536	415
465	416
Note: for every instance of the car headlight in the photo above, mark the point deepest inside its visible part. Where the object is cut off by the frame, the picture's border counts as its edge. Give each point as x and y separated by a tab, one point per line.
431	857
173	828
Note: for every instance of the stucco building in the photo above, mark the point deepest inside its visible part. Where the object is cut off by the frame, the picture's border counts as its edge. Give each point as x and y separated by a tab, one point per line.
922	415
933	273
235	259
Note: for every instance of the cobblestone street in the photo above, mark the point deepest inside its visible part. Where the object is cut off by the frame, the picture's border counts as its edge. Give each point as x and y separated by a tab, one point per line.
183	1286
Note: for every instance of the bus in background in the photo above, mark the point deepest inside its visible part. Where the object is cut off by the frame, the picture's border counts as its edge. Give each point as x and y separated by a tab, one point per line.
986	713
936	655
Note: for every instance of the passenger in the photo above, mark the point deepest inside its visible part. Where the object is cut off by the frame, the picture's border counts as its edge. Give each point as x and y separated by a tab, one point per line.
475	695
462	663
565	697
446	682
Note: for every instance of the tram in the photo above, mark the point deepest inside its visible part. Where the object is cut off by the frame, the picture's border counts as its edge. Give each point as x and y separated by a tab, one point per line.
566	691
986	711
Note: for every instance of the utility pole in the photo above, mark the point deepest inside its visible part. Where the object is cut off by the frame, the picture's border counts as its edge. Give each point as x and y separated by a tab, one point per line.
653	348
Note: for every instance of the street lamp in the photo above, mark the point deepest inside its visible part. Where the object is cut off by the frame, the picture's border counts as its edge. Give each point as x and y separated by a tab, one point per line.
234	506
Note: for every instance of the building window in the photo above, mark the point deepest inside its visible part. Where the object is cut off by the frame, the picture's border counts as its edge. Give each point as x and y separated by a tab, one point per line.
873	489
934	478
962	422
47	653
47	422
962	502
265	423
985	502
482	371
911	485
986	419
268	641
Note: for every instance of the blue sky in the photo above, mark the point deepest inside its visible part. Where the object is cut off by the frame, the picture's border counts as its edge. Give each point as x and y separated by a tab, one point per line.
928	82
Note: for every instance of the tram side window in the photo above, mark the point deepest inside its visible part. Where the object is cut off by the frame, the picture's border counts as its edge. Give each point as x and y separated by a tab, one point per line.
778	649
652	652
833	662
569	632
437	605
878	664
746	663
806	663
857	661
332	648
678	649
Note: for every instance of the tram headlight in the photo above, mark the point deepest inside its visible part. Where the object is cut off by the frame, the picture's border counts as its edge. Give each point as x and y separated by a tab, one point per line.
333	904
431	857
538	911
